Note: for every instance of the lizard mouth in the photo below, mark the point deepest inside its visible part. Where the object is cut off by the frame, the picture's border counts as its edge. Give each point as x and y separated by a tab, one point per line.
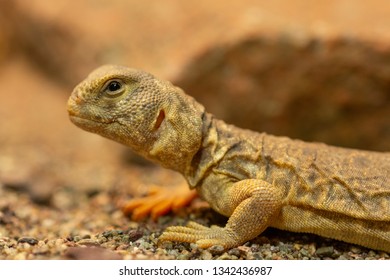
83	122
93	126
77	116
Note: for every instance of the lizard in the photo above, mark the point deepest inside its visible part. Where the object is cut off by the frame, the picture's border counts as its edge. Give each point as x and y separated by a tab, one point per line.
255	179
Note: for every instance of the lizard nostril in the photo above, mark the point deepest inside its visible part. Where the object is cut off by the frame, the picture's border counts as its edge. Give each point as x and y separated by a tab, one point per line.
73	103
76	98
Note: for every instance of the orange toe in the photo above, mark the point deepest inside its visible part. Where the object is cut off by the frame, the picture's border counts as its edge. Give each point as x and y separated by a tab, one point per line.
159	202
185	199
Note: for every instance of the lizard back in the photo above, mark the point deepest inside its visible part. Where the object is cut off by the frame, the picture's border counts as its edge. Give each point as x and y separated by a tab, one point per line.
345	181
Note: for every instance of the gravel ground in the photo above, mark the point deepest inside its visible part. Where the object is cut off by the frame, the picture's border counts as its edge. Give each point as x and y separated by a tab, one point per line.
82	225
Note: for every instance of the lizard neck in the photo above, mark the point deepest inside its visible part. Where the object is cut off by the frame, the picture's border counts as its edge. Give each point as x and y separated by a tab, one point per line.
213	148
180	135
223	146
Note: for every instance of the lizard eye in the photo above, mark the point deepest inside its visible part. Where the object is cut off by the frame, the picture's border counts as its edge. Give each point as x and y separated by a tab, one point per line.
113	88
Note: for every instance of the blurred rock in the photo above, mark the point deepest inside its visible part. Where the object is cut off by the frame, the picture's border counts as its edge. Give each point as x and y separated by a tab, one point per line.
335	91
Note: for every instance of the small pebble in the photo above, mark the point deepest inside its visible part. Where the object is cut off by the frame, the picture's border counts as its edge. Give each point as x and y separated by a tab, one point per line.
325	251
88	242
135	235
235	252
226	256
206	255
76	238
28	240
356	250
216	249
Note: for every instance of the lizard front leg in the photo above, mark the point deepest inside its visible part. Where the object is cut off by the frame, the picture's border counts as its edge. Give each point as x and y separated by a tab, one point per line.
251	205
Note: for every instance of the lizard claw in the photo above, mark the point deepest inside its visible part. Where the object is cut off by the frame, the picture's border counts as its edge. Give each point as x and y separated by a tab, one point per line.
158	202
203	236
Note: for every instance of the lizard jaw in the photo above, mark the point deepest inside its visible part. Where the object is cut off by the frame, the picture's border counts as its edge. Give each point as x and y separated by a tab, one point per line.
86	124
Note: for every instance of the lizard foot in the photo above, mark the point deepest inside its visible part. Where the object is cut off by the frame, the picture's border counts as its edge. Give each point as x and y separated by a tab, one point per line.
203	236
159	202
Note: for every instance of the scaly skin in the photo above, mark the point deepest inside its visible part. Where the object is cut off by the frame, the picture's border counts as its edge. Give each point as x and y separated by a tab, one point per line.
255	179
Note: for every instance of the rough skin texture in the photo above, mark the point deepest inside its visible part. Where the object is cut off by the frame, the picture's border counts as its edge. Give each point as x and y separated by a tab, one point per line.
255	179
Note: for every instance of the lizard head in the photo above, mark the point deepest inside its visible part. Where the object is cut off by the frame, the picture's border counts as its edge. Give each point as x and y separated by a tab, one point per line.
153	117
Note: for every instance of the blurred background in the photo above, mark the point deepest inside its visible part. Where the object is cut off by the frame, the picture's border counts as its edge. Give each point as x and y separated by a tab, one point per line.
313	70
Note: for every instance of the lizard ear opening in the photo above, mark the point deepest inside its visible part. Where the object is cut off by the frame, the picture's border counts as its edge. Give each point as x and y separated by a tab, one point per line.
159	120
